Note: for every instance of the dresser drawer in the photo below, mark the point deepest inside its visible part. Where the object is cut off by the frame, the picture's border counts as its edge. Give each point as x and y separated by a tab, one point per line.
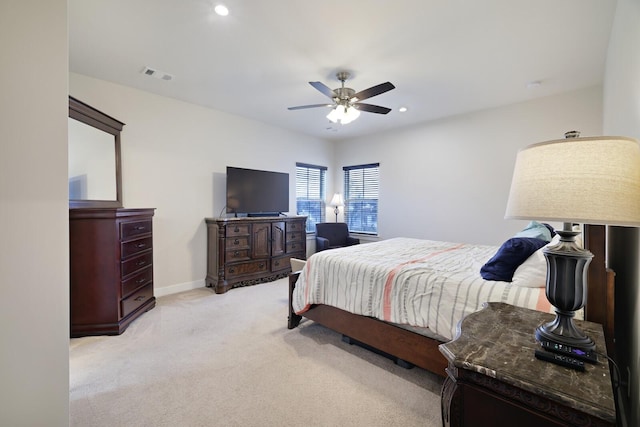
129	304
133	247
132	229
144	277
237	255
295	246
235	243
235	270
237	230
280	264
295	236
136	263
295	226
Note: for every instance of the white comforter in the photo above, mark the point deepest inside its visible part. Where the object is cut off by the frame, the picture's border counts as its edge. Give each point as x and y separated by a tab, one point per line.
421	283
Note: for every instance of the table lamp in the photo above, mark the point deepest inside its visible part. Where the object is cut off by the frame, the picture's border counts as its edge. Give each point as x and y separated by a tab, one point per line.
336	202
574	180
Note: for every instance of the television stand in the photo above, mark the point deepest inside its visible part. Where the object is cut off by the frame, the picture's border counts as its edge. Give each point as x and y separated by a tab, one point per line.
246	251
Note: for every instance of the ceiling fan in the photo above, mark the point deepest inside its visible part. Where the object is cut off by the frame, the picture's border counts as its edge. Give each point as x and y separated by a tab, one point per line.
346	105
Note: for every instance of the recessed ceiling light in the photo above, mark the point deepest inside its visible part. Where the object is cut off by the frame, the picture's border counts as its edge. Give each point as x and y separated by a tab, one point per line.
221	10
402	109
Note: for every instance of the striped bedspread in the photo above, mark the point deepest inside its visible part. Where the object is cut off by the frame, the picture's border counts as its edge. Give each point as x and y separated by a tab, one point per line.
421	283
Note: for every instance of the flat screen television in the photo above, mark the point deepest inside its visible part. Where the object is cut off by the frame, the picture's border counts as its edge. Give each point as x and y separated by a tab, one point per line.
257	192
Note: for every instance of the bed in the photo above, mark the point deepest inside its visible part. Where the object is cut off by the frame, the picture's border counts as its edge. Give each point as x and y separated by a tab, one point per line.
382	313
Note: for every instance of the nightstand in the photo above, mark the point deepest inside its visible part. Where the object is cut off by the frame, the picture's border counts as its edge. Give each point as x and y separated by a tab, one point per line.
493	378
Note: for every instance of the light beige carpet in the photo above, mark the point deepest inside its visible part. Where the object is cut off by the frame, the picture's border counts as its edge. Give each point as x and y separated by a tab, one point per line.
201	359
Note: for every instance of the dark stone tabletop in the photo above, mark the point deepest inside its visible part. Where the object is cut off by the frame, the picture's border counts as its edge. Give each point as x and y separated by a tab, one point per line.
498	341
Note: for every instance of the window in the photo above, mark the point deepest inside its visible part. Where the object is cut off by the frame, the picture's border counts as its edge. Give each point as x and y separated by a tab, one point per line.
361	197
310	193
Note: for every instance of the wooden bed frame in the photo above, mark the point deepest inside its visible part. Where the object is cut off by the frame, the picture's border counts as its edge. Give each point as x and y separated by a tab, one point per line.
408	347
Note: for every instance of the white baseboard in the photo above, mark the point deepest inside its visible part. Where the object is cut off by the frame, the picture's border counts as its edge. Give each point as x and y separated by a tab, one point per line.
180	287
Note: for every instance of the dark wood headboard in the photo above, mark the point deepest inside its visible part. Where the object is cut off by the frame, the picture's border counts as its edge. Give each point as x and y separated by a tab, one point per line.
600	306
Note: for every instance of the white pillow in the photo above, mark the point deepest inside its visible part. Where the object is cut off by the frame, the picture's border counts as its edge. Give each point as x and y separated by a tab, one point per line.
579	238
532	273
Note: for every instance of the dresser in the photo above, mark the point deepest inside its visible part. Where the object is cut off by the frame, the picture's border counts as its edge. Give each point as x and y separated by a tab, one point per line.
247	251
493	378
111	268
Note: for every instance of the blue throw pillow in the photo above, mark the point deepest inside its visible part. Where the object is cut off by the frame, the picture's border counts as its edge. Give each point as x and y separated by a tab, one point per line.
511	254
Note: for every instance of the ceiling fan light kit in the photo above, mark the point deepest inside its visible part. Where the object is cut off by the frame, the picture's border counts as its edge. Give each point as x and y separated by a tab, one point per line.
343	114
346	105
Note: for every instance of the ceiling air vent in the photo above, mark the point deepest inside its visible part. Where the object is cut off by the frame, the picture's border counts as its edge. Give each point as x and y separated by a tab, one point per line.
157	74
148	71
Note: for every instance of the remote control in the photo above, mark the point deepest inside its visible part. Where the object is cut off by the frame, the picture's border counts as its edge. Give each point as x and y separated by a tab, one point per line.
560	359
578	353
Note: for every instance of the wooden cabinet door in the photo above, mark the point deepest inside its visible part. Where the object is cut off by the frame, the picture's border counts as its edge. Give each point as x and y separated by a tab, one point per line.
278	238
261	240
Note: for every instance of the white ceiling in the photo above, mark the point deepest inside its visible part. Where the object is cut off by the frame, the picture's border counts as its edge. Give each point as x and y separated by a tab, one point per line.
445	57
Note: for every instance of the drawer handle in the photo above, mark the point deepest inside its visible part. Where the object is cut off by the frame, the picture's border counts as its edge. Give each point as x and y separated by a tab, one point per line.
261	265
236	242
141	227
140	298
141	281
141	262
236	254
141	245
293	235
235	230
277	263
232	270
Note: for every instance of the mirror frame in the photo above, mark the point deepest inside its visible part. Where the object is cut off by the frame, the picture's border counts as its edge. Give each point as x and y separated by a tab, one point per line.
88	115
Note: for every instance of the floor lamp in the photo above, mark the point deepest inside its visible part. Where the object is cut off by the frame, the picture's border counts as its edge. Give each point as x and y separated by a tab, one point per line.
574	180
336	202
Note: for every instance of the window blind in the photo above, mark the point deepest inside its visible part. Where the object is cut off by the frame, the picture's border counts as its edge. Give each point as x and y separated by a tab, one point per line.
310	193
361	190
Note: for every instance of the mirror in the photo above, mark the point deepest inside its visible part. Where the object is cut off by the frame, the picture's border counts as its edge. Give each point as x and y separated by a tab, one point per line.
94	158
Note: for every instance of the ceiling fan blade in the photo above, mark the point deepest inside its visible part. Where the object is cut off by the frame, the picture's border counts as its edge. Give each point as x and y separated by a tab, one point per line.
373	91
302	107
324	89
372	108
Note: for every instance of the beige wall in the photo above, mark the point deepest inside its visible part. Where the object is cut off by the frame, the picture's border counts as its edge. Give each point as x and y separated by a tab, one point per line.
449	179
622	117
34	276
174	159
